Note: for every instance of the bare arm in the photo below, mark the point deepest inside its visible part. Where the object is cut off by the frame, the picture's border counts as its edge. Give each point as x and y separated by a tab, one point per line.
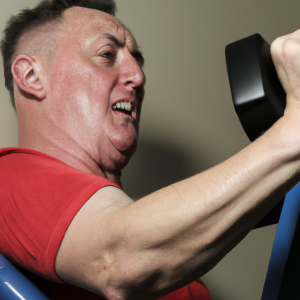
141	250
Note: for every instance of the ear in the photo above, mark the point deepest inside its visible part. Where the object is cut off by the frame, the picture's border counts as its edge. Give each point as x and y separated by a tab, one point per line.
27	75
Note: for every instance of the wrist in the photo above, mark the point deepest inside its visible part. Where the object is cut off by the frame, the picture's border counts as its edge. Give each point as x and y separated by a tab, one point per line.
283	138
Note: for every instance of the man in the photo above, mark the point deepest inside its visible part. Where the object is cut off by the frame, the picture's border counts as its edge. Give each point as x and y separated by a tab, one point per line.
91	59
78	87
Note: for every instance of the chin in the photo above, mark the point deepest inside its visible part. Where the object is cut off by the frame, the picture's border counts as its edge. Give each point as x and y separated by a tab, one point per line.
123	151
125	141
126	149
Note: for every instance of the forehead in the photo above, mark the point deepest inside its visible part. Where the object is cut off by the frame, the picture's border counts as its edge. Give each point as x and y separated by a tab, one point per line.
89	24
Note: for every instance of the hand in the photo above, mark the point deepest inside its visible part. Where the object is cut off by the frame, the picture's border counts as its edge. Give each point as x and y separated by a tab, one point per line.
285	52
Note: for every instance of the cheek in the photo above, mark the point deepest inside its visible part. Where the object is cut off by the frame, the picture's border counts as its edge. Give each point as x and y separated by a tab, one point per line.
82	87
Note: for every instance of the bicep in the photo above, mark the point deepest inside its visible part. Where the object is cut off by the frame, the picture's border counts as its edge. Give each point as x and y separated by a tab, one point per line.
83	252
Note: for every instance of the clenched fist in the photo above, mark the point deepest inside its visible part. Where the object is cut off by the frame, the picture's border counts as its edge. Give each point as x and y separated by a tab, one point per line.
285	52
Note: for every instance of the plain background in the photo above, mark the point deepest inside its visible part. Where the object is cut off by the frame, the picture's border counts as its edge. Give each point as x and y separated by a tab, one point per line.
188	120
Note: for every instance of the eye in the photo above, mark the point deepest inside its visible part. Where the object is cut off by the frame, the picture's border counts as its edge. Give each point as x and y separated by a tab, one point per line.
107	55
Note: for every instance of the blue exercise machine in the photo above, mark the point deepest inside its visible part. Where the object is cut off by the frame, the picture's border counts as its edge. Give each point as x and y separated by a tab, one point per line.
15	286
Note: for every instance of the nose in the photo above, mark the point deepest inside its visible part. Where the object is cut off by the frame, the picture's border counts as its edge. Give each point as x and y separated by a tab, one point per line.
132	74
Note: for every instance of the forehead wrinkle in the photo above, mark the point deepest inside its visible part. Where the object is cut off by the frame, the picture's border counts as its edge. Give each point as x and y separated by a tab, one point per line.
120	39
101	22
116	29
101	25
131	40
117	41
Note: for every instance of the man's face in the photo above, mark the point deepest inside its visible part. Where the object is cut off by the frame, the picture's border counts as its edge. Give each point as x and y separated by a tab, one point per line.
96	86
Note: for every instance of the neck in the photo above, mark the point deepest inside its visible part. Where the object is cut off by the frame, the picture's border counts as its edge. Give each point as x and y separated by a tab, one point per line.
58	145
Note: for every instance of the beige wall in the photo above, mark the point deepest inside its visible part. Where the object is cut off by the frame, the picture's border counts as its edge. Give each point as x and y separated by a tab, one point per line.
188	121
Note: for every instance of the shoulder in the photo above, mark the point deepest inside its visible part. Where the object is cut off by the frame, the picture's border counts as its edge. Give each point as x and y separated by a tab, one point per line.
39	197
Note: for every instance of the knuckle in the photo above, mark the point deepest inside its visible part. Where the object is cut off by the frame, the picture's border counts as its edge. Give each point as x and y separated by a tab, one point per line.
275	50
277	45
290	49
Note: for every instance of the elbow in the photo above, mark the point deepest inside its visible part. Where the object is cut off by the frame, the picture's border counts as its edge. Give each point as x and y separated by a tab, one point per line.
130	280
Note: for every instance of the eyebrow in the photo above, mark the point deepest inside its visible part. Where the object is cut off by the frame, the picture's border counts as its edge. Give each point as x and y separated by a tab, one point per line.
137	54
118	42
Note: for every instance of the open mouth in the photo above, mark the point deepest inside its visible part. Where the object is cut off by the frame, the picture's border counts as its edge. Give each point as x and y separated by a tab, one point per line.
123	107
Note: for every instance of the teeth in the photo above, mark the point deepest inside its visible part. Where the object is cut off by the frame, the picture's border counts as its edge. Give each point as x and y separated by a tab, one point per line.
123	105
128	106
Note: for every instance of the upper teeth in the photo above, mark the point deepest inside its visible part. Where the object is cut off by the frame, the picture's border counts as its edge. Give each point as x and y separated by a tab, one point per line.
123	105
